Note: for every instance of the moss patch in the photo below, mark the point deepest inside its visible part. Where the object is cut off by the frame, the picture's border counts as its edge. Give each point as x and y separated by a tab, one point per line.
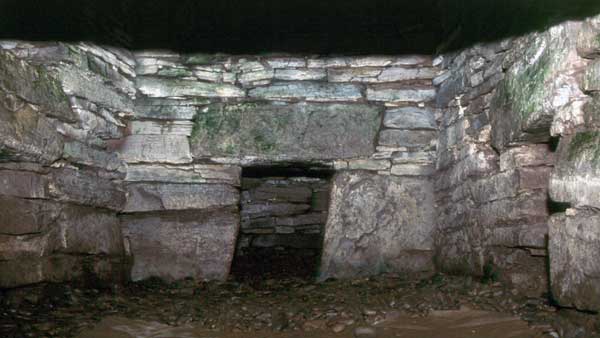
585	142
527	90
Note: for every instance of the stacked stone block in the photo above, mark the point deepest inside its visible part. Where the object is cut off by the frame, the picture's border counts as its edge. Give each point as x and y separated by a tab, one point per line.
223	112
283	212
60	191
492	179
574	233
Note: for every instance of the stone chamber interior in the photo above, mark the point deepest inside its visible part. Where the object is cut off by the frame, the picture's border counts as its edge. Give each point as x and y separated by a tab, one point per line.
374	169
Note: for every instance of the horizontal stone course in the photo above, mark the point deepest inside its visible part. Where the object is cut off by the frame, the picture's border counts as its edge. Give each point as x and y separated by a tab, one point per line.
191	174
161	128
399	93
173	149
158	87
406	138
309	91
144	197
409	118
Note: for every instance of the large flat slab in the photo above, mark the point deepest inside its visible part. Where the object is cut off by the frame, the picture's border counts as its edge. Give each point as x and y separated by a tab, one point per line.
301	131
378	224
177	245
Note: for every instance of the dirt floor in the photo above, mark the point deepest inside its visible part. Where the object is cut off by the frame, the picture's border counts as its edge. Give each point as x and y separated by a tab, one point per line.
386	306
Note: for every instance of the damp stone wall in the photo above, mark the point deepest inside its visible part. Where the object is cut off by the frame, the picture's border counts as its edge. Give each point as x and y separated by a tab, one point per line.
152	146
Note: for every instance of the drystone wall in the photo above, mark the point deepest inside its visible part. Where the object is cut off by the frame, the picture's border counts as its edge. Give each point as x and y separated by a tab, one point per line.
60	188
285	212
201	118
574	238
493	200
516	167
484	161
110	159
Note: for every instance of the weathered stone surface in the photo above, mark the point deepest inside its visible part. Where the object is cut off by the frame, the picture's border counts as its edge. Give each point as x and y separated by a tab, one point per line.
296	241
214	73
300	74
156	197
305	219
406	138
525	236
85	187
35	85
309	91
26	216
77	152
23	184
576	179
574	267
85	84
197	173
532	155
184	244
535	89
591	78
408	169
158	87
89	231
26	134
161	128
410	118
378	223
174	149
274	193
588	41
369	164
172	110
82	233
295	132
369	61
380	75
258	210
399	93
62	268
286	62
26	246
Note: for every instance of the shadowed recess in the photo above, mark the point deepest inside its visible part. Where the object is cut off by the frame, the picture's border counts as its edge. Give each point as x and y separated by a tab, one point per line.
261	26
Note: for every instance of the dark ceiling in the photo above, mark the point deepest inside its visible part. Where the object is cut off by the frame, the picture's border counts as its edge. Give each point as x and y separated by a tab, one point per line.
308	26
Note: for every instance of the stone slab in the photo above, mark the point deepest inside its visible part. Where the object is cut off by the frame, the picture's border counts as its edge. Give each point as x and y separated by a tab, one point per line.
173	149
160	87
309	91
197	173
302	131
174	246
26	134
574	268
378	224
144	197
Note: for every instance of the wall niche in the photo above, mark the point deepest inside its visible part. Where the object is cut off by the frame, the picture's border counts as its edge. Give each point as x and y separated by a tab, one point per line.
283	212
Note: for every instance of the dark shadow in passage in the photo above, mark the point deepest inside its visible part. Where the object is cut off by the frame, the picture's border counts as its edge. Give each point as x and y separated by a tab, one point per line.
292	26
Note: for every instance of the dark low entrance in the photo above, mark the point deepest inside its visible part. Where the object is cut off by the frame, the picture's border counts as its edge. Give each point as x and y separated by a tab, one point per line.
283	215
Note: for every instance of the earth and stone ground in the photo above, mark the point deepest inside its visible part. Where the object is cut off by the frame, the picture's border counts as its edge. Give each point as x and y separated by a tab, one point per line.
276	306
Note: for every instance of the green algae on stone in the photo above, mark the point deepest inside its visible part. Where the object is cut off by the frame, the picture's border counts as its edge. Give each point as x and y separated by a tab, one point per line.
525	102
585	144
295	131
35	84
